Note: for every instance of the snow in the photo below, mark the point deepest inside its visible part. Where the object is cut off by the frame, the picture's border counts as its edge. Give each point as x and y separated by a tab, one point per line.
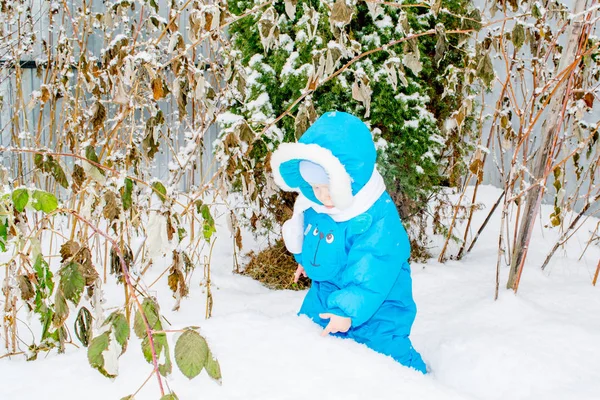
228	118
120	37
256	105
413	123
385	22
539	344
255	59
288	67
145	57
286	42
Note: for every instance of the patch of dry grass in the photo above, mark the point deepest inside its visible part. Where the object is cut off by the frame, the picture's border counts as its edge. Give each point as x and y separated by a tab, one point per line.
274	267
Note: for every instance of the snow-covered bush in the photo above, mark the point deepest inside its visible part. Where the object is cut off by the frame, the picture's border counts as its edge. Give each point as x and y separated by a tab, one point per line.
301	59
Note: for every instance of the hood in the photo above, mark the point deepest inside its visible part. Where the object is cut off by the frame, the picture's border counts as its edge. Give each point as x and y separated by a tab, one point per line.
340	143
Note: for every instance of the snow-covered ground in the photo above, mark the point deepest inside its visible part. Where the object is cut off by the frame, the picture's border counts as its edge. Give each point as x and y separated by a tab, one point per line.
543	343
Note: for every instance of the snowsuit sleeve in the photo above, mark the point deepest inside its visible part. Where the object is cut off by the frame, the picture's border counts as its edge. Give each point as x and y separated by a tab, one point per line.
292	234
375	260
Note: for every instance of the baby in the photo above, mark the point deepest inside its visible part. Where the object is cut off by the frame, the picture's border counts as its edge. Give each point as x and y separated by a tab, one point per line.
346	235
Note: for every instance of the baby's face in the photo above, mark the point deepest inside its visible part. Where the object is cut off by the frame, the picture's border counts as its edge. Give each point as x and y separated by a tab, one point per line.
322	194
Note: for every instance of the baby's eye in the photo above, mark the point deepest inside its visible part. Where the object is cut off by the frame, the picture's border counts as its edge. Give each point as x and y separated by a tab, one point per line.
329	238
316	231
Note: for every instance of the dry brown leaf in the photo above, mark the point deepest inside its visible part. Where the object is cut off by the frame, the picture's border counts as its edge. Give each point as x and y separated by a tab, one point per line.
157	88
334	54
111	208
26	287
98	116
361	91
84	259
290	8
68	250
78	178
589	99
45	93
341	14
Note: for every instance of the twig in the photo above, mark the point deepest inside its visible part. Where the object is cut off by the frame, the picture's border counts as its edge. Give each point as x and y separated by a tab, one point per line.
487	219
566	233
12	354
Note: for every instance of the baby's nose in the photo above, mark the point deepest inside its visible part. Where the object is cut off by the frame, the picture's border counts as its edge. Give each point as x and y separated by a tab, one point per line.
321	236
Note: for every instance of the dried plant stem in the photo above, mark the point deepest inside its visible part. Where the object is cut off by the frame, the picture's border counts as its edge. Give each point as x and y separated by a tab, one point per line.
548	147
485	222
456	207
209	298
500	251
565	235
596	274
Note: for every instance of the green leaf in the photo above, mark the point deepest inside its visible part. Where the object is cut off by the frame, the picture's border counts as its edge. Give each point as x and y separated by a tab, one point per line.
44	201
46	316
485	69
170	396
518	36
90	154
83	326
61	309
147	350
130	397
181	232
120	328
38	160
98	345
138	326
150	309
213	368
20	198
72	282
160	190
154	5
160	345
3	236
44	276
59	174
126	192
208	228
198	206
191	353
160	340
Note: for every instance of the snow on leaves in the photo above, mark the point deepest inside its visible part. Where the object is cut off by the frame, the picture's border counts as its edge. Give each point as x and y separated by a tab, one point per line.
341	15
268	29
361	91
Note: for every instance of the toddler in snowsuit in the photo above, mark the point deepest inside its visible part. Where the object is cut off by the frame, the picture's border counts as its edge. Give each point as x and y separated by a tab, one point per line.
347	236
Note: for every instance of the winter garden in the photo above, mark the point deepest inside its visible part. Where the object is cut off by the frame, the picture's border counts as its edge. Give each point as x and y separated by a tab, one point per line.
141	254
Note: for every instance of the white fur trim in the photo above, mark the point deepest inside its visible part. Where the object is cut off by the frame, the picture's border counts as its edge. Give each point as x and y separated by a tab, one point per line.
340	183
293	237
364	199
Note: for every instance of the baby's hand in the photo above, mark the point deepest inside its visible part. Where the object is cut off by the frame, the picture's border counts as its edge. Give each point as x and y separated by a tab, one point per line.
299	271
336	323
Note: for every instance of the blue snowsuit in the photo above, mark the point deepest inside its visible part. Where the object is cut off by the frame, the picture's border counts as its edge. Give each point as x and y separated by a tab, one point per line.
359	268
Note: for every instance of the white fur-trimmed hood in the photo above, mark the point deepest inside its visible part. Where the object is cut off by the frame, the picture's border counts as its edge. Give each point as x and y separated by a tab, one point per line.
340	182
